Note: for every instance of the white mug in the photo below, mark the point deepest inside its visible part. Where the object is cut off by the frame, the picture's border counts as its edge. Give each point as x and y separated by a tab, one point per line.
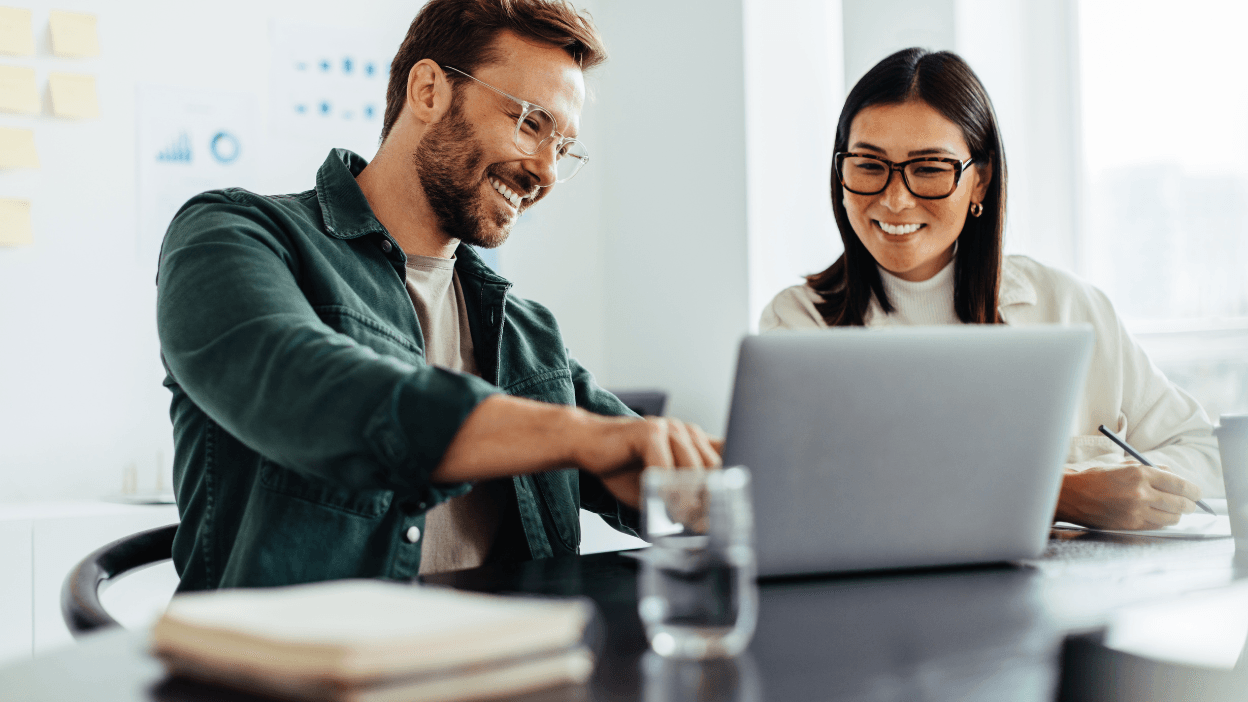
1233	445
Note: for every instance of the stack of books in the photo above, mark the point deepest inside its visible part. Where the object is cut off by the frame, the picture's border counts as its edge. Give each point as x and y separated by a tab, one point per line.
373	641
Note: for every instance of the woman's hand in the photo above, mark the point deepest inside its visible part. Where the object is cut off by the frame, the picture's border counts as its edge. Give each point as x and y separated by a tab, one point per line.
1125	496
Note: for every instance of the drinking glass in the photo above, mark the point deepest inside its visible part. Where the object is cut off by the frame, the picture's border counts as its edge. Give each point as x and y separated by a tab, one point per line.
1233	446
712	680
697	594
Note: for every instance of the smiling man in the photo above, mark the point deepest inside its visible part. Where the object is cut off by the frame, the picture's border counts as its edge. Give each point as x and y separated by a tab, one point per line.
355	394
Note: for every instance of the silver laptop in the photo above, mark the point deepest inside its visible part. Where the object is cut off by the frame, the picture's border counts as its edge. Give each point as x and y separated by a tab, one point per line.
909	447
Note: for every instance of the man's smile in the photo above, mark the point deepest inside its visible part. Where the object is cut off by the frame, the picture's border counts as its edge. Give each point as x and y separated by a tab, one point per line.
508	194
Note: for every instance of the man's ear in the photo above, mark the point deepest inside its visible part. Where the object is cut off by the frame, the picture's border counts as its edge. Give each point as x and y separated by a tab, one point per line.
428	92
984	172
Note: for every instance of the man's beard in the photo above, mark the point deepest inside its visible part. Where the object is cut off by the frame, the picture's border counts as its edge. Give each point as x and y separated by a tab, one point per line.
446	159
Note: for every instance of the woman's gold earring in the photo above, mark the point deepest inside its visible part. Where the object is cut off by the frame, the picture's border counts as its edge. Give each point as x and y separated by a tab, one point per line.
976	209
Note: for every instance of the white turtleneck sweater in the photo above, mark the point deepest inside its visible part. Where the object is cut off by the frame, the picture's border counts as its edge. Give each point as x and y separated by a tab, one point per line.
926	302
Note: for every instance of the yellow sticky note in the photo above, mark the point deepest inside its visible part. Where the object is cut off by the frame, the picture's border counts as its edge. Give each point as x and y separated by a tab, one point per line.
16	36
17	90
73	95
73	34
15	222
17	148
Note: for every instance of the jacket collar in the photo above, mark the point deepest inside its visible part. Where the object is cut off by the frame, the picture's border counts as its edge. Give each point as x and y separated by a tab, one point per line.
1015	288
469	262
347	214
344	209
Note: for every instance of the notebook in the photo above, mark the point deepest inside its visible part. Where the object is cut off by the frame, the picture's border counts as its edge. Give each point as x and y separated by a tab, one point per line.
374	641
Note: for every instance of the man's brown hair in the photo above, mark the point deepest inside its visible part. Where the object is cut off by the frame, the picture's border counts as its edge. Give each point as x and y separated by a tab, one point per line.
461	33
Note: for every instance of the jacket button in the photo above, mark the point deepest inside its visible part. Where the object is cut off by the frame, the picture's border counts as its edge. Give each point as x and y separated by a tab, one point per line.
386	245
413	535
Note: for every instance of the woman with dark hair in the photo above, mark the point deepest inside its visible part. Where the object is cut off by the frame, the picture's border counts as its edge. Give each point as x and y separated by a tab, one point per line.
918	191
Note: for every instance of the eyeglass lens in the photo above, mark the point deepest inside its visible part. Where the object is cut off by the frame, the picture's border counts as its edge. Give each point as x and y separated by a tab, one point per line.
868	176
534	128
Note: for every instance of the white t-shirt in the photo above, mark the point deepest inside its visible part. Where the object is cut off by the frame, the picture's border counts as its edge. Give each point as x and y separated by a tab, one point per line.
460	532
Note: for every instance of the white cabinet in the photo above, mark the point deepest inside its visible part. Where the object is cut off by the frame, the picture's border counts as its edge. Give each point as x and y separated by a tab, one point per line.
40	543
16	632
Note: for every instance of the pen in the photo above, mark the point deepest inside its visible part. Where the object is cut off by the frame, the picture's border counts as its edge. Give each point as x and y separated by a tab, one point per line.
1140	457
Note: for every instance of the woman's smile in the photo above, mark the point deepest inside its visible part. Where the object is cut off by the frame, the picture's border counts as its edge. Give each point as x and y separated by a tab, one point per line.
898	229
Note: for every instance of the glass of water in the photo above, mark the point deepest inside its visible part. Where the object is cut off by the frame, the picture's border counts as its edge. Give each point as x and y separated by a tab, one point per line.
697	594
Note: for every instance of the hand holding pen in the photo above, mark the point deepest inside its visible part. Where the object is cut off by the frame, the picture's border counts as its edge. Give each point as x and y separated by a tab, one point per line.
1140	457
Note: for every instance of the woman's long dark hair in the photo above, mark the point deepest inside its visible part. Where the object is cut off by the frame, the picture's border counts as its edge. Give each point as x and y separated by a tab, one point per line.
946	83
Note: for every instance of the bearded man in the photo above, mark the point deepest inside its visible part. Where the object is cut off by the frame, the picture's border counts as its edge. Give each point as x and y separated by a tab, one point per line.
355	394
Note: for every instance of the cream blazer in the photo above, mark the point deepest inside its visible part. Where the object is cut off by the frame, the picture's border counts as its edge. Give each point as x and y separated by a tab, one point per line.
1124	390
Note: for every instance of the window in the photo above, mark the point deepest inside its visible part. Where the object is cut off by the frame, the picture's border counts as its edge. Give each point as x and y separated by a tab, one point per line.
1165	144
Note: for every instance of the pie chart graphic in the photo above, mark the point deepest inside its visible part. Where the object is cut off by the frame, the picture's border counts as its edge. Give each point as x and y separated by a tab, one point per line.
224	147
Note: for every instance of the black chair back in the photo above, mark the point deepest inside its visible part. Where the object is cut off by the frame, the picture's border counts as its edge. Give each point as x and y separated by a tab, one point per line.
80	594
647	403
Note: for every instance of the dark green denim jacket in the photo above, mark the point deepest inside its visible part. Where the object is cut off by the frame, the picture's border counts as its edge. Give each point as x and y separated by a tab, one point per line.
305	420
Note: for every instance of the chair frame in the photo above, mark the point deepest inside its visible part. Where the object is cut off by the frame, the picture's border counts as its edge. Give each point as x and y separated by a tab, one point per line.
80	593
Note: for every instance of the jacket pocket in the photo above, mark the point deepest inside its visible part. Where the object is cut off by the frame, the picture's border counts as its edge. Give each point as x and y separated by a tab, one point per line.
553	386
365	503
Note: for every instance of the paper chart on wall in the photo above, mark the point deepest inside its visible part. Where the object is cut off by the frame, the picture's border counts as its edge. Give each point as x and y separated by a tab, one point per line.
189	141
328	84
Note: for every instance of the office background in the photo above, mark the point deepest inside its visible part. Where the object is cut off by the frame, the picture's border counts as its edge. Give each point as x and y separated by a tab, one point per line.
710	130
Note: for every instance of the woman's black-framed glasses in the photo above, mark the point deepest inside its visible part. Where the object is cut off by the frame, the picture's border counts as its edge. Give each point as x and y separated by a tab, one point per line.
534	127
929	177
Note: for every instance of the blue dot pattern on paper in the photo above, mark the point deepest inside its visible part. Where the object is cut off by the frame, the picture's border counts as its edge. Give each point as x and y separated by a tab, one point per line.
368	111
301	108
324	107
347	65
369	69
325	65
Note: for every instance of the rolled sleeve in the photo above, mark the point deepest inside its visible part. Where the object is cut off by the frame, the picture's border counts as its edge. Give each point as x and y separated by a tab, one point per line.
241	338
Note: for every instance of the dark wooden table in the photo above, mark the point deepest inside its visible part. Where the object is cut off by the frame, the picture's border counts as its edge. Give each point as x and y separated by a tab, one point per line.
983	633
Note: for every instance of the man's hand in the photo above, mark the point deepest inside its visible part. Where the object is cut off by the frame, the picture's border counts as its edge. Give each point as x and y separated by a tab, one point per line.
618	449
507	436
1125	496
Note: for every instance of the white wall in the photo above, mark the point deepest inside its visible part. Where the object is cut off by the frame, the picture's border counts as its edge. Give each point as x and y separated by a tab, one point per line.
876	28
794	77
671	110
81	403
1026	54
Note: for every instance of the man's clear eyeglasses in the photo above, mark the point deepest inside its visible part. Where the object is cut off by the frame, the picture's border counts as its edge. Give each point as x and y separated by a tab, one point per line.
929	178
534	127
